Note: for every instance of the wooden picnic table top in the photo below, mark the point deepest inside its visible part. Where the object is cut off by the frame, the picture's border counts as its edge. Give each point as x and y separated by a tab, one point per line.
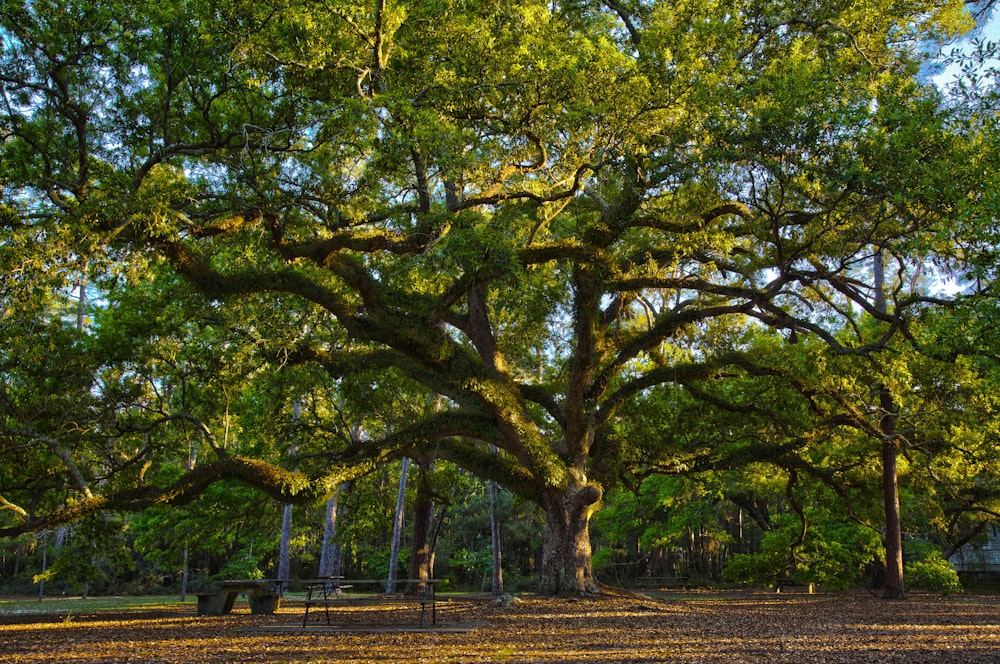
340	579
256	583
252	585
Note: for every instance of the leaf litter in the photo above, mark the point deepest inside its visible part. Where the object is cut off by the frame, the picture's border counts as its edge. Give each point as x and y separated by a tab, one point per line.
711	627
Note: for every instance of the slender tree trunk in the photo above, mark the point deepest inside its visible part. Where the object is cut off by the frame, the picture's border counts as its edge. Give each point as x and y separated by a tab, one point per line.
81	310
81	304
332	556
45	560
58	541
328	559
566	553
497	585
422	546
423	516
397	529
285	545
329	531
284	549
894	588
184	573
337	548
437	525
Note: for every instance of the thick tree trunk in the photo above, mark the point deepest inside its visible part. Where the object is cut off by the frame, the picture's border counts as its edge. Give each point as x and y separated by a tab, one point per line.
566	553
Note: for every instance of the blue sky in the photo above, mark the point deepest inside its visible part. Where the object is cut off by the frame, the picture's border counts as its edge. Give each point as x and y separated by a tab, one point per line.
989	32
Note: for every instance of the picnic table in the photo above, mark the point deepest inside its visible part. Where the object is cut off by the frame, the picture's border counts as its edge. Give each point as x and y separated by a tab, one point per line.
262	594
331	591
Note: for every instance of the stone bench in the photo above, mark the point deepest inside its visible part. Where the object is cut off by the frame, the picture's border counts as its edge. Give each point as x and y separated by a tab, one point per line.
263	597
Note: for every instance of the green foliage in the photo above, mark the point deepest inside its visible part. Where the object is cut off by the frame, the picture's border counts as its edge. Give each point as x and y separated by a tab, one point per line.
832	554
473	564
611	241
933	574
228	531
928	570
242	565
836	555
663	512
95	555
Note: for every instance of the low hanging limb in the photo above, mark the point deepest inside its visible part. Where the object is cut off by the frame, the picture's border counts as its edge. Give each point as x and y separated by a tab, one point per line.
279	483
64	456
17	509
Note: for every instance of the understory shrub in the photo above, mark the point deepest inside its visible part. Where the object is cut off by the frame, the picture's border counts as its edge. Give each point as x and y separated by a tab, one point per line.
930	571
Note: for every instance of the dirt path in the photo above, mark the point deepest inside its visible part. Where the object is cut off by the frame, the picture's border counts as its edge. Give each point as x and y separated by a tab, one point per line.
685	627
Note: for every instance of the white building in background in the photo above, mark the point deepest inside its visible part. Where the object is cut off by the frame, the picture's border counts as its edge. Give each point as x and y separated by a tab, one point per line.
981	556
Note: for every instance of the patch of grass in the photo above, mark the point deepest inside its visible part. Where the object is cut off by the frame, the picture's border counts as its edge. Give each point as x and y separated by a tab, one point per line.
69	605
701	596
505	653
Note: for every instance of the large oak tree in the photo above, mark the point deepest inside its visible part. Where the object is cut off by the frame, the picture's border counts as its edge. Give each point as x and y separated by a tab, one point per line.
521	206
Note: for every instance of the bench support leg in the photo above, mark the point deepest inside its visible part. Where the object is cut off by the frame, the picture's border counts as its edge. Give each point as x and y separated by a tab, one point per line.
216	604
263	603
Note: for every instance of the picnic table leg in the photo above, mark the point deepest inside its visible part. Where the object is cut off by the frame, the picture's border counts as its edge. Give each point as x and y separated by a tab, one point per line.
305	616
428	597
213	604
263	603
326	604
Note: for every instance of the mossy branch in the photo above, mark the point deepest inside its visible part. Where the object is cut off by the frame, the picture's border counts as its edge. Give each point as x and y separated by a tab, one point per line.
281	484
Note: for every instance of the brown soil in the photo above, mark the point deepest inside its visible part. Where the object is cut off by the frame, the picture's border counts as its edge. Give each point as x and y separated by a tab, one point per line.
681	627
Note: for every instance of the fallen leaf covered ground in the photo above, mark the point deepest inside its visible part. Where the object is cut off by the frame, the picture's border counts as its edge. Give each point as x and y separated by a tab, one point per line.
682	627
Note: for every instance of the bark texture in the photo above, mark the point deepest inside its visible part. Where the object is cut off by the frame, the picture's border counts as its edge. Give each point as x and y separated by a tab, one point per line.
566	553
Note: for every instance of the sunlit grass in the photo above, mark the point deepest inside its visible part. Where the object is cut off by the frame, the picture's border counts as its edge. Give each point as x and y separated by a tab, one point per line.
69	620
61	605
